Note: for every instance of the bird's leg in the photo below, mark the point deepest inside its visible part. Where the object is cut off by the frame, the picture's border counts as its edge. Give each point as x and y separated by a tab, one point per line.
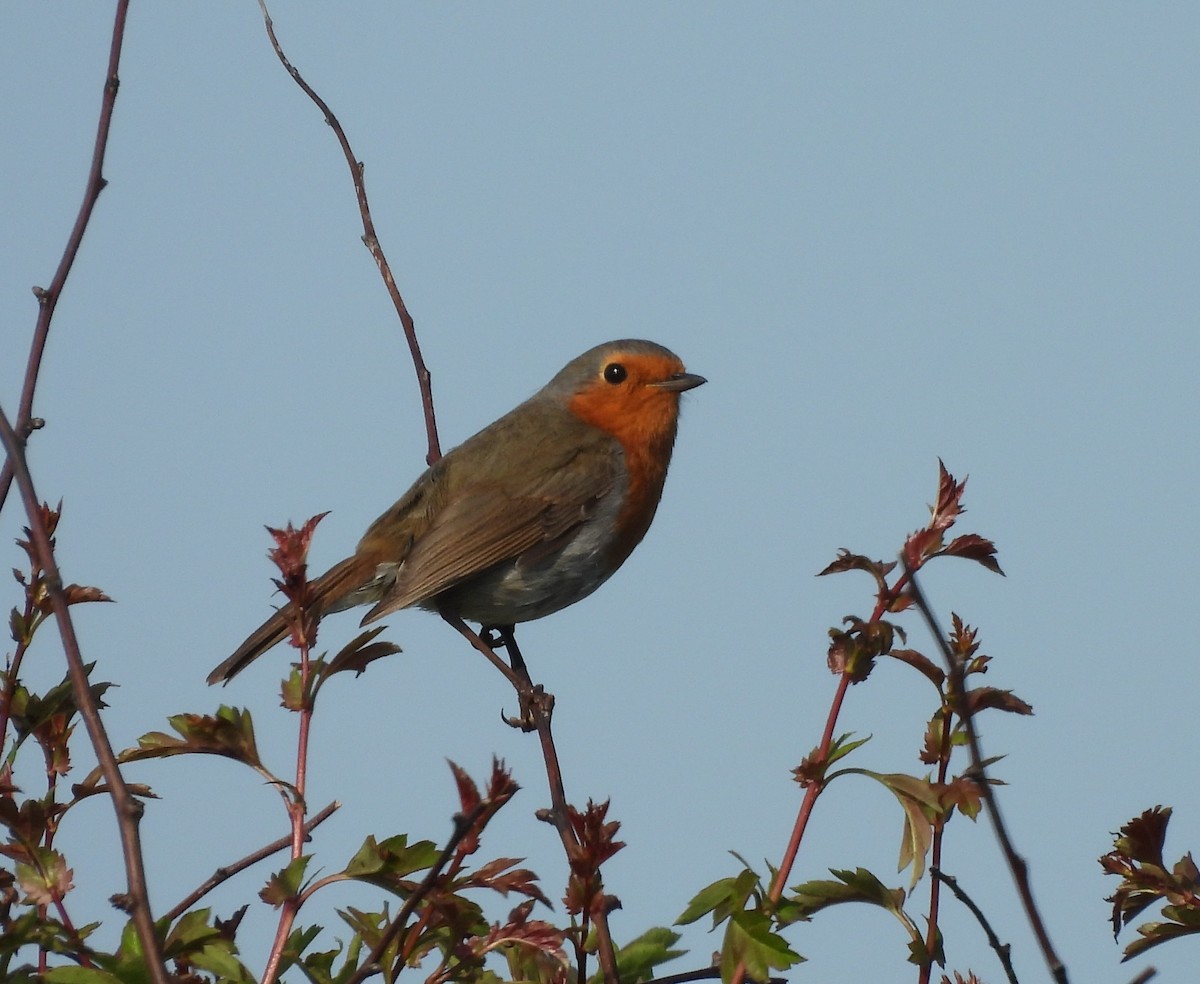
505	637
534	701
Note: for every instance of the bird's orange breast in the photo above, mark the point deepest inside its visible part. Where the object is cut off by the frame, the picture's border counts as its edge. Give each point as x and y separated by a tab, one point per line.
643	419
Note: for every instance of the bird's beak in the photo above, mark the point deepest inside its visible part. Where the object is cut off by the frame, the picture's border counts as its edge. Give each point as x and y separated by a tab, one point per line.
681	381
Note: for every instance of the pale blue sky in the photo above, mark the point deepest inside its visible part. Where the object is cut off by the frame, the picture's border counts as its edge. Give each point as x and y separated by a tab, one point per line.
885	232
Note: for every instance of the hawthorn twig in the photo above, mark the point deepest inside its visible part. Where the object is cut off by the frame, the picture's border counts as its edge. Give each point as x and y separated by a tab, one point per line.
537	709
225	872
370	240
935	858
1016	863
463	822
47	297
1003	950
127	807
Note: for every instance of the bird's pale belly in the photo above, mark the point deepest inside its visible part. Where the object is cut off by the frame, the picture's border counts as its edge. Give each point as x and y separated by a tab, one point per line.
540	582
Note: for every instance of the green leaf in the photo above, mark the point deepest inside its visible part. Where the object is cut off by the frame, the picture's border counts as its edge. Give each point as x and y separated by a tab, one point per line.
859	885
217	958
382	863
189	934
1154	933
721	898
637	959
921	801
750	940
297	942
285	884
230	732
79	975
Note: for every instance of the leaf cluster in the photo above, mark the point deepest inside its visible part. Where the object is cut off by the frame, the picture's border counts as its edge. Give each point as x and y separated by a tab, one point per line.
1137	859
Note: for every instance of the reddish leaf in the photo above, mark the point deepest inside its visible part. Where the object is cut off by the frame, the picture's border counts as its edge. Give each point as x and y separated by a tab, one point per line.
500	876
596	835
501	785
847	561
290	553
980	698
78	594
1142	839
949	501
521	930
468	792
973	547
920	546
920	662
361	651
853	651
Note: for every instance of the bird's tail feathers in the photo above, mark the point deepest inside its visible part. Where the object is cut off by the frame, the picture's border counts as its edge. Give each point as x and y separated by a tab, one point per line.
329	590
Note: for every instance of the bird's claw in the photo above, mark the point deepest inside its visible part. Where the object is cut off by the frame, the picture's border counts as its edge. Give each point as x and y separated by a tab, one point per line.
535	704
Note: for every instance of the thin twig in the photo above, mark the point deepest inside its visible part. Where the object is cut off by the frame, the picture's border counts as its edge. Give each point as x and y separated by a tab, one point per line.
1145	975
371	241
127	807
47	297
1003	950
933	931
704	974
537	709
463	822
1016	863
225	872
810	796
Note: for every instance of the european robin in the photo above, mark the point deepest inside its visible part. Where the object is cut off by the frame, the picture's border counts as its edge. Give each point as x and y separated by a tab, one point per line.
530	515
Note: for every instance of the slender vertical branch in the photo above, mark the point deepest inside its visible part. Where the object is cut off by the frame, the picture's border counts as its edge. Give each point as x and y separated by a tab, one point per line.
537	709
1016	863
128	809
810	796
47	297
935	853
371	240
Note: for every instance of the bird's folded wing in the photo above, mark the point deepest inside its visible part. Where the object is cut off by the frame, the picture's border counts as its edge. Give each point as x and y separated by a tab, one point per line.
486	526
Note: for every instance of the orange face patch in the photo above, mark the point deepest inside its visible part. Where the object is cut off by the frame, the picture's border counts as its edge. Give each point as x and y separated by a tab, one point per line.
643	418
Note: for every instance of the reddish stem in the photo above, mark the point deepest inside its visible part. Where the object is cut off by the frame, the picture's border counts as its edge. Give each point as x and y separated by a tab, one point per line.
810	795
939	827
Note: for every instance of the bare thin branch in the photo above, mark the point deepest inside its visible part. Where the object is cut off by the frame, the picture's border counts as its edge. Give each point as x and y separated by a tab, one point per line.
48	296
1003	950
371	241
537	709
127	807
225	872
1016	863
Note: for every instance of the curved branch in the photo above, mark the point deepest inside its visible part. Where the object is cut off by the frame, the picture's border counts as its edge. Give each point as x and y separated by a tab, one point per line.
48	296
1003	950
371	241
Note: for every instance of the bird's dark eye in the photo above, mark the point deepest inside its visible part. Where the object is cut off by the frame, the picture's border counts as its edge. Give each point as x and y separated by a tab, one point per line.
614	373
